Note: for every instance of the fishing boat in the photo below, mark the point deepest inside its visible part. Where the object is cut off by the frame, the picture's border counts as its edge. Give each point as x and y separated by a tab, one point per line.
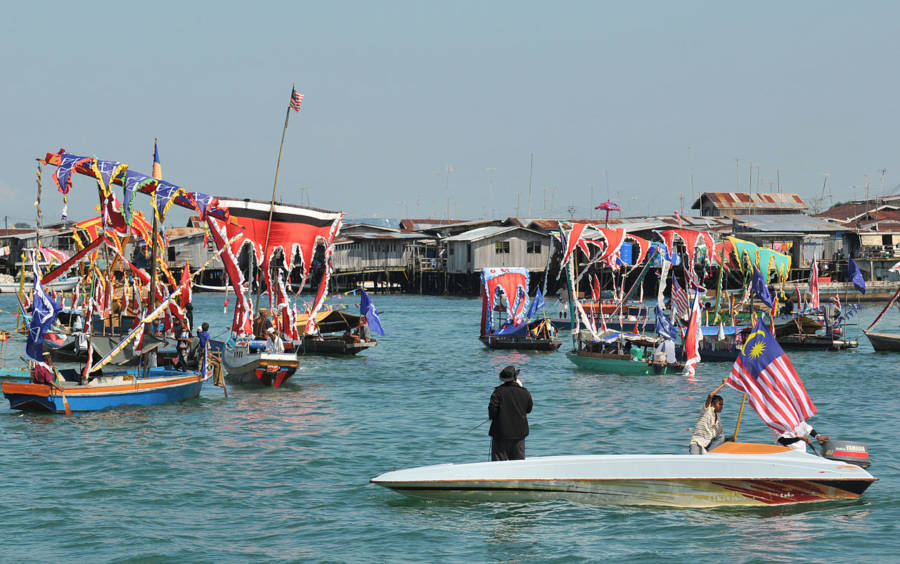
611	352
339	334
135	386
886	342
247	362
505	291
734	474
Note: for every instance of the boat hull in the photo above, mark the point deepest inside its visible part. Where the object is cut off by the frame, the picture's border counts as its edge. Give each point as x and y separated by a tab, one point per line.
711	480
520	343
594	362
108	391
886	342
247	367
337	346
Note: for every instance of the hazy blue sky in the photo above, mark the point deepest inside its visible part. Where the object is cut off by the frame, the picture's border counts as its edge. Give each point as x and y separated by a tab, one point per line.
644	93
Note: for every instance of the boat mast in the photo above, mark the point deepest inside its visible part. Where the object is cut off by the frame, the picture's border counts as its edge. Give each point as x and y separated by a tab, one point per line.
287	117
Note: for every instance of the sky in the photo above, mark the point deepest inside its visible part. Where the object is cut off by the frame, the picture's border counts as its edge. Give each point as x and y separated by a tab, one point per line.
463	109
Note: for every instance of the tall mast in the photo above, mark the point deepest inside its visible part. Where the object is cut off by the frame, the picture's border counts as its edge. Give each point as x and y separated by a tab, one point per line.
295	96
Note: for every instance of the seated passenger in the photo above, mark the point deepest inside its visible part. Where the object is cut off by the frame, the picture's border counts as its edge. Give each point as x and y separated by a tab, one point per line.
799	437
274	344
708	433
667	347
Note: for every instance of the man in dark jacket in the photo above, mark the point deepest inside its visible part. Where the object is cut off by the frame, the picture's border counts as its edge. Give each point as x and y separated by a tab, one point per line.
507	409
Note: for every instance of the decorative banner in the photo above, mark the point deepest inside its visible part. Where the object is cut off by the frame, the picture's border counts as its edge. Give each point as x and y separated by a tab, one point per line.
513	282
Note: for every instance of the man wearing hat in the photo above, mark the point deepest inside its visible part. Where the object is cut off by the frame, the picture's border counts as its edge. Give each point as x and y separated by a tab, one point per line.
509	405
274	344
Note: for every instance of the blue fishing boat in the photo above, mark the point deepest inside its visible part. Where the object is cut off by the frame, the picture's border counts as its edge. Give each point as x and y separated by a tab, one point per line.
115	389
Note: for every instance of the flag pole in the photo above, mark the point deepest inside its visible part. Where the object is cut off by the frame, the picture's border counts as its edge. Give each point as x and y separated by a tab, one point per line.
740	414
287	117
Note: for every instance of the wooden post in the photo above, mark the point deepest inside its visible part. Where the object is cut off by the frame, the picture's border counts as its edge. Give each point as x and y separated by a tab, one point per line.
740	414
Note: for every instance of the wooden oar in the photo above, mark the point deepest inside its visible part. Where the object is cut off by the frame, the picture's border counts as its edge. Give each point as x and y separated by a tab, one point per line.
65	400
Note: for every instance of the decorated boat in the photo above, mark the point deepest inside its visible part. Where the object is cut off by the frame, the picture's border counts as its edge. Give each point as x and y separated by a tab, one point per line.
278	238
627	354
734	474
504	291
91	389
339	334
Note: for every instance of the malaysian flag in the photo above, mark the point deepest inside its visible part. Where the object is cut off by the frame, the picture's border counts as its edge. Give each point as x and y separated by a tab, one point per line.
296	99
764	372
680	299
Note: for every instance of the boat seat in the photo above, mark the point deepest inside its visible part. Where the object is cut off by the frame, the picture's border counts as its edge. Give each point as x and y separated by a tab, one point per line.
748	448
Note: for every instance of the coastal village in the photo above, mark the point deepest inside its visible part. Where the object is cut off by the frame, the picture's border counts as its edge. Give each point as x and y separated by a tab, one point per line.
446	256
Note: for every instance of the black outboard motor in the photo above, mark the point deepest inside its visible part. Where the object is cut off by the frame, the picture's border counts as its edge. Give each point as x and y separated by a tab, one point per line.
847	451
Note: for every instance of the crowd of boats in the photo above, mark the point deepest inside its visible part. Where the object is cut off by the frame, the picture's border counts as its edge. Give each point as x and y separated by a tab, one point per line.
125	335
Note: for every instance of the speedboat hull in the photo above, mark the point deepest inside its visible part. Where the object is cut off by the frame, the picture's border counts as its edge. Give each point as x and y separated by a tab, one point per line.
774	476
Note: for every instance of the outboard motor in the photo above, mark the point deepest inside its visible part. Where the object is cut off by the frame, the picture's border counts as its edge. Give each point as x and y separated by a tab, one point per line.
847	451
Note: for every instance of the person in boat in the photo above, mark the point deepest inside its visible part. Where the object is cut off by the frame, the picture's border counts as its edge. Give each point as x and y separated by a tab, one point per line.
45	372
788	307
183	346
189	314
203	345
708	433
799	437
262	324
365	334
508	409
274	344
665	351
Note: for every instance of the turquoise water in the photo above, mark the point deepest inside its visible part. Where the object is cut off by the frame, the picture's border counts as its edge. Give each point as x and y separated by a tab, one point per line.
284	474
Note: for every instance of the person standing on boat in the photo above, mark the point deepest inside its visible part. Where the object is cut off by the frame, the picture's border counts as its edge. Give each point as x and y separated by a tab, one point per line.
274	344
510	403
183	347
708	433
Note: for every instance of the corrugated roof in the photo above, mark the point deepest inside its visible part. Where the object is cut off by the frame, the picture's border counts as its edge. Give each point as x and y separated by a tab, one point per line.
485	232
756	200
795	223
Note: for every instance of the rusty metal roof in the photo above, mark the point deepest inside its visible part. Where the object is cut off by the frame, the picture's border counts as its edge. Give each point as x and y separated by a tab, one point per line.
755	201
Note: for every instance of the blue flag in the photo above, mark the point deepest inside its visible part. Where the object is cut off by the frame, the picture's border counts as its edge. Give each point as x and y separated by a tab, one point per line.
856	276
536	304
759	287
43	314
367	308
665	327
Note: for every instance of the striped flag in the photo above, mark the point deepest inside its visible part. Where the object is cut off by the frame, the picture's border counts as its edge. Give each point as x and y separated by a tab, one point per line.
680	299
766	375
692	339
814	285
296	99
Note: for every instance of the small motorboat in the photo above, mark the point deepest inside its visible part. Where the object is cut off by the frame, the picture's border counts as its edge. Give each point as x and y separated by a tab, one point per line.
246	362
626	354
734	474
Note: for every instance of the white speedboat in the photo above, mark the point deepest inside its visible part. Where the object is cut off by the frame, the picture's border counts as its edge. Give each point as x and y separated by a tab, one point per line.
735	474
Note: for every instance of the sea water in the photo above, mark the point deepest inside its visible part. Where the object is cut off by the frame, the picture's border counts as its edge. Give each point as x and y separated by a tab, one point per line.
283	474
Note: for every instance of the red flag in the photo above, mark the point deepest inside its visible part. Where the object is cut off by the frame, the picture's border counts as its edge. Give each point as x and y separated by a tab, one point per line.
692	339
595	289
186	281
814	285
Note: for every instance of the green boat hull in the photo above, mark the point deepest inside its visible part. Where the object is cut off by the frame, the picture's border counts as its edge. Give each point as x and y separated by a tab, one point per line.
616	366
